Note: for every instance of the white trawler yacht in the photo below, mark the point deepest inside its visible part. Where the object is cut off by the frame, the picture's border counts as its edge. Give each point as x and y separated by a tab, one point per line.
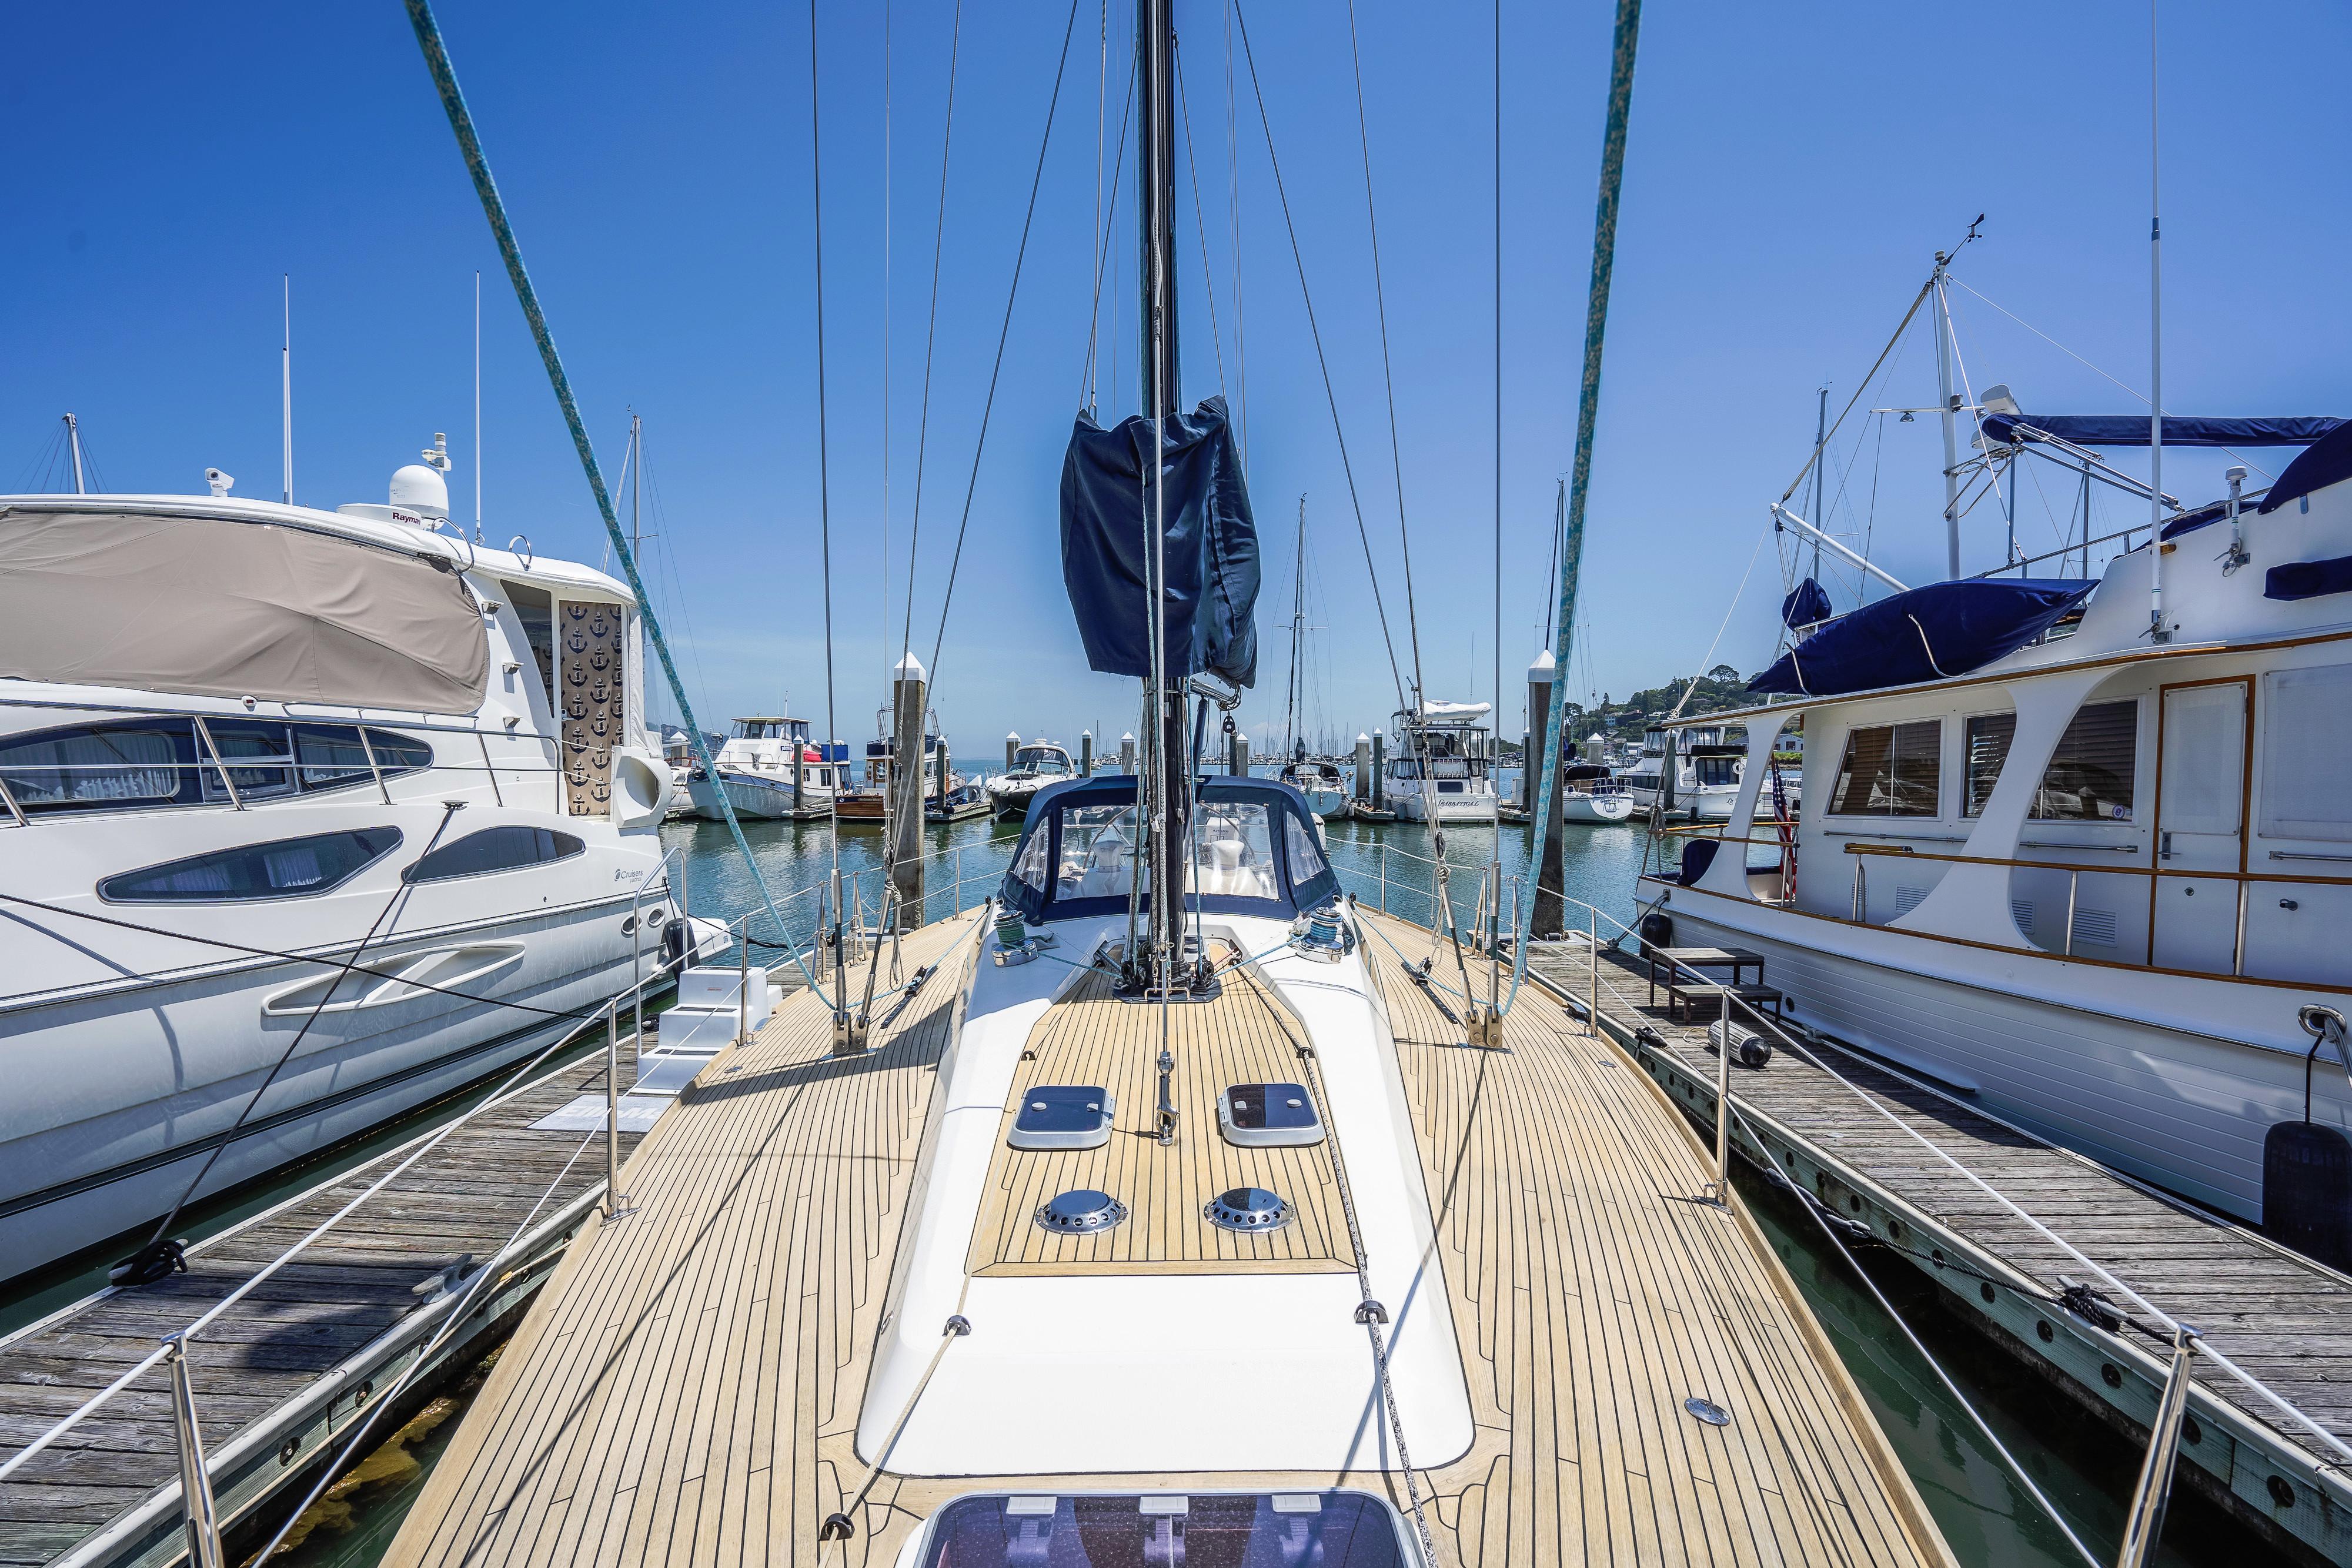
241	742
1441	769
769	769
2097	879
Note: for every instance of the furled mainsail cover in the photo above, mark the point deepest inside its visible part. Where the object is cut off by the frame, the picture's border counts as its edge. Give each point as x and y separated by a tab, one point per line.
1944	629
1210	551
220	607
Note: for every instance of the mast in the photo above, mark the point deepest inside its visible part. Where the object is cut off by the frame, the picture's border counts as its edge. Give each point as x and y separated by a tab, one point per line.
286	380
1821	439
1951	434
73	443
2155	630
1297	631
1166	784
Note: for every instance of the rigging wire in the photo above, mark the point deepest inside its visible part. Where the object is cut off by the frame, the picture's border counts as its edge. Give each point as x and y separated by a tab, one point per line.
889	845
1003	334
1233	214
1102	95
1200	223
1330	396
1380	305
1102	254
824	498
931	329
1493	782
1863	386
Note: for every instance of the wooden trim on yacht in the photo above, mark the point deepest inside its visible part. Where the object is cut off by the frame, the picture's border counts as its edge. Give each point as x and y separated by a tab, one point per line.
2318	986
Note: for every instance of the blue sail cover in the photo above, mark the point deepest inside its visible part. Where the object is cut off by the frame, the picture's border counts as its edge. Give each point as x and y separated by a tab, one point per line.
2324	462
2179	430
1944	629
1808	604
1211	557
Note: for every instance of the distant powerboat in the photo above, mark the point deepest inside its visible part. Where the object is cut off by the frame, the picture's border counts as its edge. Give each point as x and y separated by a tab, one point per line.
769	769
1441	770
1035	765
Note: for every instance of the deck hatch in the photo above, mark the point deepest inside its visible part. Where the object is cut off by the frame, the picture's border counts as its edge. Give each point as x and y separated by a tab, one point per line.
1268	1116
1062	1116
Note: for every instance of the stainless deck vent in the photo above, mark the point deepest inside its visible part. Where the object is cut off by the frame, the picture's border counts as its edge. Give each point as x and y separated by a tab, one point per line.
1248	1209
1268	1116
1081	1212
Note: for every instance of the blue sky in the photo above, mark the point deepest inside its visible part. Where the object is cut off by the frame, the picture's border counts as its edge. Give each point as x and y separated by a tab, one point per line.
1790	171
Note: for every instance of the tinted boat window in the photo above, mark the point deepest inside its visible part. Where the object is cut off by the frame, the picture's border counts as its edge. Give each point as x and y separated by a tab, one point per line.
283	868
99	766
494	849
1276	1530
2089	778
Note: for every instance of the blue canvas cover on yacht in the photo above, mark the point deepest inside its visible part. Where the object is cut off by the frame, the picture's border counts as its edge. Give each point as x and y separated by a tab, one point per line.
1944	629
1258	851
1210	547
2179	430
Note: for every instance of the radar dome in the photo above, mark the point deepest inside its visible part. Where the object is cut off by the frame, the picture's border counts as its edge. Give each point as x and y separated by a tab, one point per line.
422	490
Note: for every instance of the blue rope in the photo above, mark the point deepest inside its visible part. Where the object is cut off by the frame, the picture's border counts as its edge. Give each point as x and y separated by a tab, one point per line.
453	101
1588	409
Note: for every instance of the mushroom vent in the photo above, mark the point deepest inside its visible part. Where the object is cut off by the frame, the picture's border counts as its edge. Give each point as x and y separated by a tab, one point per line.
1081	1212
1248	1209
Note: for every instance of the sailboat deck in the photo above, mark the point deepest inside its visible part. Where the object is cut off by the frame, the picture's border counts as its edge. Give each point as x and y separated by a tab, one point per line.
1089	1037
685	1390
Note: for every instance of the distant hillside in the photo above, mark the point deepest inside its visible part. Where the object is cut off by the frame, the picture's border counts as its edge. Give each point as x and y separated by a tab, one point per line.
1720	689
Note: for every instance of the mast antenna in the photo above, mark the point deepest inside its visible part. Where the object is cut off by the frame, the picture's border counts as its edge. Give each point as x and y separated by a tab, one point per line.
2156	628
73	445
286	379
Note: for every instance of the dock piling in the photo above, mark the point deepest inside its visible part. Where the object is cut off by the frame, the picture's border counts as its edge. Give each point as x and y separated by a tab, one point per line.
199	1514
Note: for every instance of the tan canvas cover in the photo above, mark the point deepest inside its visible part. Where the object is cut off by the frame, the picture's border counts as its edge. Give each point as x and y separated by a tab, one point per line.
216	607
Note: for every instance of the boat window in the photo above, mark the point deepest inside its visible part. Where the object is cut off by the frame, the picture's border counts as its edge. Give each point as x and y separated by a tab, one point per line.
2089	777
1715	772
1264	1530
1890	771
99	766
1236	850
1307	860
508	848
2306	754
164	762
534	610
1097	852
1029	870
284	868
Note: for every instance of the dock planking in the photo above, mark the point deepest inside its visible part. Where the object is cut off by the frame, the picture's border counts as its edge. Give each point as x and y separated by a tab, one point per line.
2281	1316
346	1294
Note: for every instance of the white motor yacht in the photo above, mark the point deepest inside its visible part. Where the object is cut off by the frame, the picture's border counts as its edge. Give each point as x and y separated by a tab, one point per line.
334	789
2091	877
771	770
1442	768
1036	763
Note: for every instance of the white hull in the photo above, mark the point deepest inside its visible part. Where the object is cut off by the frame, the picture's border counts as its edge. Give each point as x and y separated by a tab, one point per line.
1596	809
755	796
1011	797
2171	1090
1414	807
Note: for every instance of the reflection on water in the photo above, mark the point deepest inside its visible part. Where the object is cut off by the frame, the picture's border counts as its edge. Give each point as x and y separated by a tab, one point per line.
2083	1467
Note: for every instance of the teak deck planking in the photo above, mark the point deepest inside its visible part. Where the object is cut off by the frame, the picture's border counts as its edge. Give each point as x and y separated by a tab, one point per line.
687	1389
341	1294
1091	1038
2283	1318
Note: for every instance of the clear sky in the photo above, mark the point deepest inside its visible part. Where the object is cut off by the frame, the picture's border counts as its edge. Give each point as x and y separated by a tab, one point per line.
1792	169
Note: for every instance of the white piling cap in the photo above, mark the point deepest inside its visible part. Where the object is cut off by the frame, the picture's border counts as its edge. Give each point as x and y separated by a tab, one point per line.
909	668
1540	673
1011	734
1128	738
1362	739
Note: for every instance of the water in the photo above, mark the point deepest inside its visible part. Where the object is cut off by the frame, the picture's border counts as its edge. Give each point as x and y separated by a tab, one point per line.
1986	1515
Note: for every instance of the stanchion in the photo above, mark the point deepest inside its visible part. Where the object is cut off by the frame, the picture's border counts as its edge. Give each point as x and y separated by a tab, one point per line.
743	983
199	1515
615	1204
1722	1183
1593	971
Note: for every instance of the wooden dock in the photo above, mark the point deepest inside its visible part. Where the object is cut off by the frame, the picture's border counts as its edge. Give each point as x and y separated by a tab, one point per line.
687	1389
2279	1315
290	1367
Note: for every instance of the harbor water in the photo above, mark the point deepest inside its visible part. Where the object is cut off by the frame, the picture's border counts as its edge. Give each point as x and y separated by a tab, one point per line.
2086	1470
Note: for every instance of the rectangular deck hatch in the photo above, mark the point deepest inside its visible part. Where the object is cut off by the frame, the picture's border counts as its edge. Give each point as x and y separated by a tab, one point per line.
1062	1116
1268	1116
